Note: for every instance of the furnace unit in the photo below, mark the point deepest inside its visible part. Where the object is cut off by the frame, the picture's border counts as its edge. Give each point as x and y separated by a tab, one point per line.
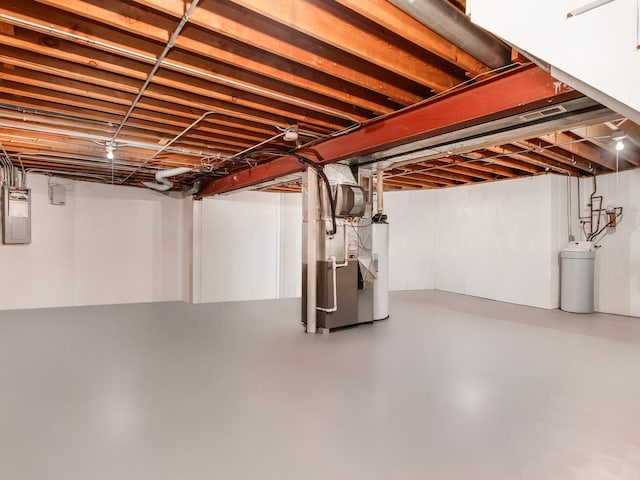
346	264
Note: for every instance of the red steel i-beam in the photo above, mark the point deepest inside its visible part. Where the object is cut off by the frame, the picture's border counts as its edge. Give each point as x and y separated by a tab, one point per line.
514	92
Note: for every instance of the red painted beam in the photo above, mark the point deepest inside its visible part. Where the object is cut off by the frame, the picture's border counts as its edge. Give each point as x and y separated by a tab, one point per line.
517	91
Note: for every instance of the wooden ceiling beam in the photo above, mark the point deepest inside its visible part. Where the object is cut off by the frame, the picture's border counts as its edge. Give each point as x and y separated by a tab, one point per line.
423	177
558	155
539	159
444	173
631	152
450	165
600	135
408	183
328	26
74	141
395	20
485	167
574	145
157	98
631	130
500	157
200	84
224	20
234	60
99	124
197	95
23	96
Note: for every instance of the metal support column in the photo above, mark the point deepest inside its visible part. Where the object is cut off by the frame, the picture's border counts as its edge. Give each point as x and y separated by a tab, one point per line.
311	250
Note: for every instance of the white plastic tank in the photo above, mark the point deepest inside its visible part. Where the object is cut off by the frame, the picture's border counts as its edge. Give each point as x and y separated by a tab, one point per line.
577	261
380	249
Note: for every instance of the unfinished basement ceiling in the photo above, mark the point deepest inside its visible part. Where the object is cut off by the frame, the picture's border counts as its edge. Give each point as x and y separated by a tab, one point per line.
78	76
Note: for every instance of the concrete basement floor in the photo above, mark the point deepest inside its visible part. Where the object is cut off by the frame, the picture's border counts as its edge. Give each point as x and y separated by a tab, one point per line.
451	387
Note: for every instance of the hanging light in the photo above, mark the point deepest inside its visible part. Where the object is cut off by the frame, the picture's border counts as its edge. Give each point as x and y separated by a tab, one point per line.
618	137
291	134
110	150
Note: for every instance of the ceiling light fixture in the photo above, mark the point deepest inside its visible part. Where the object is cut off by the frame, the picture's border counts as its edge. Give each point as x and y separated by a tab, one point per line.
109	148
618	137
291	134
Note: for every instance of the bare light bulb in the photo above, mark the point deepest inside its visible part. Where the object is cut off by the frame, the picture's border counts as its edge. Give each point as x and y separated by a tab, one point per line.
619	145
290	135
109	152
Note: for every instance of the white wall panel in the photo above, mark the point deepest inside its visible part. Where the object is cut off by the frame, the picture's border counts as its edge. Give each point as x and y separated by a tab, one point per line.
290	272
186	247
108	244
38	275
412	231
493	241
251	244
618	260
450	263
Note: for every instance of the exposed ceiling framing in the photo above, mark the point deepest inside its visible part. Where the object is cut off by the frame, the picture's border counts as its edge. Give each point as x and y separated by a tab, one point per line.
239	73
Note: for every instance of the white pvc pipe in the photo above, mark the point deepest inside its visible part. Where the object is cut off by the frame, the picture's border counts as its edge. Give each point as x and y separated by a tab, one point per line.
335	288
380	247
334	268
312	260
379	193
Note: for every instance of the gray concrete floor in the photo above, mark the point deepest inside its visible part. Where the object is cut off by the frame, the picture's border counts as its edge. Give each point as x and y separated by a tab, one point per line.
451	387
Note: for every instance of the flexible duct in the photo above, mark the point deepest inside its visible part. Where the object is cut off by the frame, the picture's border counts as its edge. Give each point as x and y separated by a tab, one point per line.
448	22
161	177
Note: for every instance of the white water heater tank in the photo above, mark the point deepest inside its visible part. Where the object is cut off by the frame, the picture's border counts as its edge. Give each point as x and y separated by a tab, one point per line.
380	250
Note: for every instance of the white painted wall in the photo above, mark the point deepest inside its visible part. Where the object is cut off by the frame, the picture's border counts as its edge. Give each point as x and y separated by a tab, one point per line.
618	260
250	247
598	48
498	241
412	234
495	240
290	275
108	244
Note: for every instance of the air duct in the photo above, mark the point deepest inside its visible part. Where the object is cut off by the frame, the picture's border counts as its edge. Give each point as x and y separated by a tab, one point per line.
161	177
448	22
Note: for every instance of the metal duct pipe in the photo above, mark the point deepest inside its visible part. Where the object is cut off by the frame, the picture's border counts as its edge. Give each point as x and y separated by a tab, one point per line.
447	21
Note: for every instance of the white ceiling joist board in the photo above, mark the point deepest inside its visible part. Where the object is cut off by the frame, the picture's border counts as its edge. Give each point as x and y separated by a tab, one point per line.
598	47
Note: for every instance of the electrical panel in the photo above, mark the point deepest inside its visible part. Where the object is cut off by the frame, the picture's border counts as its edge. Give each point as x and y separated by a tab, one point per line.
57	194
16	215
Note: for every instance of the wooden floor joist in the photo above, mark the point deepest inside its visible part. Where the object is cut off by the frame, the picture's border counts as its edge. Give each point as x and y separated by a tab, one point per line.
339	71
